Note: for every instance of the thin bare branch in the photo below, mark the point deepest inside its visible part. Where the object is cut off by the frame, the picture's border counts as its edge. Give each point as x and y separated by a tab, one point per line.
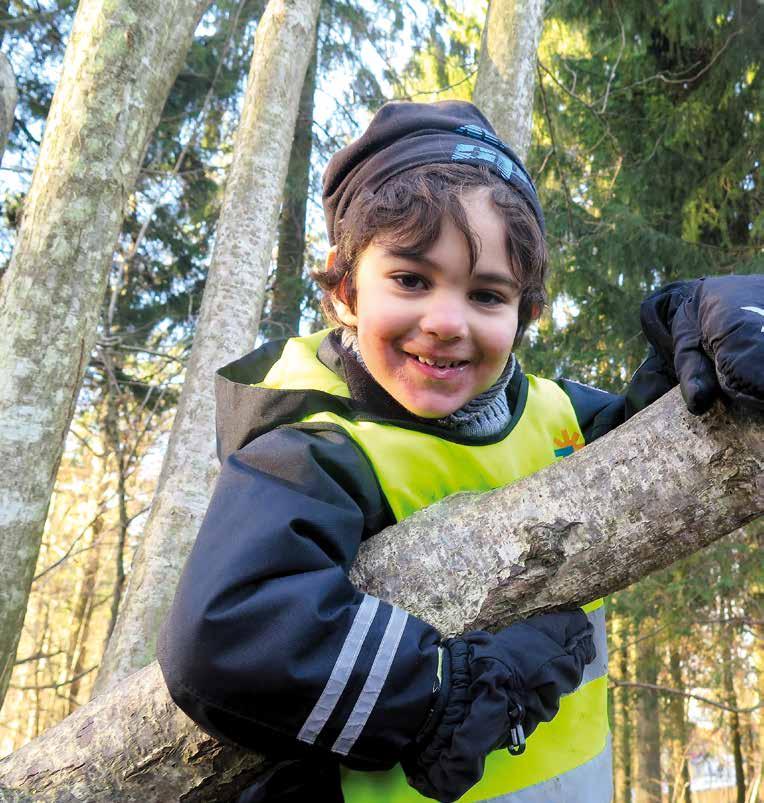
161	354
563	180
28	19
86	444
37	657
617	62
55	685
665	77
681	693
68	553
580	100
651	634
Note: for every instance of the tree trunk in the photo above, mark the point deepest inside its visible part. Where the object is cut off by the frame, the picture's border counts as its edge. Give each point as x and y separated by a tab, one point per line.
120	63
622	735
507	69
228	325
41	645
8	98
648	775
83	615
729	691
661	487
113	441
288	287
680	767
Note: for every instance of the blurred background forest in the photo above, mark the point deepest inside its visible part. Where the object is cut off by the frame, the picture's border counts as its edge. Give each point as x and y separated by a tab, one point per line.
646	151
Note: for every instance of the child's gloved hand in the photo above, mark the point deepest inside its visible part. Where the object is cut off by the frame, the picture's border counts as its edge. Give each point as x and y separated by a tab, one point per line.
493	683
711	333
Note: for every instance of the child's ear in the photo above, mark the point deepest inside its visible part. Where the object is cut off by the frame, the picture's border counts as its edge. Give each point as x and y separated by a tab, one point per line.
339	297
343	311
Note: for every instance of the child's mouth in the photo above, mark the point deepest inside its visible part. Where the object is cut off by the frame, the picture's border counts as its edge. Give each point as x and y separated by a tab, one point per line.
444	370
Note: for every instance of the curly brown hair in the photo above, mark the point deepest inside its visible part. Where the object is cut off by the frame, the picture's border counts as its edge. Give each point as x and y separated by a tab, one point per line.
409	209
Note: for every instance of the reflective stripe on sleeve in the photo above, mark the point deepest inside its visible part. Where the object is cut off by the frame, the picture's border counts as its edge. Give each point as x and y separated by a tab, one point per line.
343	666
378	673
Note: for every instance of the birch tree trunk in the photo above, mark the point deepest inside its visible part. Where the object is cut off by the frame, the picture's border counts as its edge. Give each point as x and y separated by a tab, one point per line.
659	488
228	324
288	286
8	98
507	69
120	62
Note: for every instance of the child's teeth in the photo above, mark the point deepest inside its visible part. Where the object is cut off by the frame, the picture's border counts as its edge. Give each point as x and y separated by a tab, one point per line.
438	364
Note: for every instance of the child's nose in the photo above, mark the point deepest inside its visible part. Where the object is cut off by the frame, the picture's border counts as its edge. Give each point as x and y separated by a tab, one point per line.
445	320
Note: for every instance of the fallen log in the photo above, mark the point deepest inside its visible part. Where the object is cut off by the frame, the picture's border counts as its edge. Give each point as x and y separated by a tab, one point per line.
659	488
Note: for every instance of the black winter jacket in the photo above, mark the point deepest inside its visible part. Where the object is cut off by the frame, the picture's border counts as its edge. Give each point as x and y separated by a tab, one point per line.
265	605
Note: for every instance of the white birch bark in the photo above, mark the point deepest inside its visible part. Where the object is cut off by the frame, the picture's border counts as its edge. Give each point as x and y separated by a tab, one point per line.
659	488
507	69
120	62
8	98
228	324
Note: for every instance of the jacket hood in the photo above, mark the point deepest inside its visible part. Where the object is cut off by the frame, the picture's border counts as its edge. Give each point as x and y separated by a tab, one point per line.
243	411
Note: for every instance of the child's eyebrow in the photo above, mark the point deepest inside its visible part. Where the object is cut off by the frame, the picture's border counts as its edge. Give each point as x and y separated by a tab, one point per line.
401	252
498	278
421	259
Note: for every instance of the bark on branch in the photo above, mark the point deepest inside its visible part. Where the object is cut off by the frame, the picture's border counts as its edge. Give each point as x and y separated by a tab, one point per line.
661	487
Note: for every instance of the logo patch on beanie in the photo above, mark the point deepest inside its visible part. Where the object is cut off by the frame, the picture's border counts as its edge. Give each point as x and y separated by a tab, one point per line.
502	162
505	166
476	132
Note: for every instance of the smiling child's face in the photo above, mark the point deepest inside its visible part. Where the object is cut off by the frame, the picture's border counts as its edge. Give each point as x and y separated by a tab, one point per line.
431	309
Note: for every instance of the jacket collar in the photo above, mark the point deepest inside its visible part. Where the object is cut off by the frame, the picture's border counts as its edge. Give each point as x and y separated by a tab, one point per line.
244	412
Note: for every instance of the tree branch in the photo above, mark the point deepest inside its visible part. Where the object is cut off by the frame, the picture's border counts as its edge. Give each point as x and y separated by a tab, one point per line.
668	690
659	488
37	657
54	685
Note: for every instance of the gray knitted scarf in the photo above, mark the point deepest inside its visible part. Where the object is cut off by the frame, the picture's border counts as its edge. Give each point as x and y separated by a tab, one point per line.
485	415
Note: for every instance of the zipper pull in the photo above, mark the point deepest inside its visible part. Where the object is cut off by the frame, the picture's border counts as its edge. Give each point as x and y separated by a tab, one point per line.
516	746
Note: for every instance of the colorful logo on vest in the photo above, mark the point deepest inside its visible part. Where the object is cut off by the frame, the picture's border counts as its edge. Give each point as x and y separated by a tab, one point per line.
567	444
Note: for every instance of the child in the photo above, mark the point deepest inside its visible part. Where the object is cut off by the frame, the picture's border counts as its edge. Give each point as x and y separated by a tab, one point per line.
436	268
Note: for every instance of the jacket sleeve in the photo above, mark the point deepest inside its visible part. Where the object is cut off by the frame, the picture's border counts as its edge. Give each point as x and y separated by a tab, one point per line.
599	411
268	644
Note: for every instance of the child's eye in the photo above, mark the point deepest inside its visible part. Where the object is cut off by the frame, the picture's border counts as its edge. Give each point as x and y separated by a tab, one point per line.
487	297
409	281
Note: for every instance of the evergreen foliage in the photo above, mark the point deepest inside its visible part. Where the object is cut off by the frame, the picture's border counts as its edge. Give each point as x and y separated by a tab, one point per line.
646	155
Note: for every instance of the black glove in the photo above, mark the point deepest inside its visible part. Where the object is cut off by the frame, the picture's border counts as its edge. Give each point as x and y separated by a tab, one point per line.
496	688
708	335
